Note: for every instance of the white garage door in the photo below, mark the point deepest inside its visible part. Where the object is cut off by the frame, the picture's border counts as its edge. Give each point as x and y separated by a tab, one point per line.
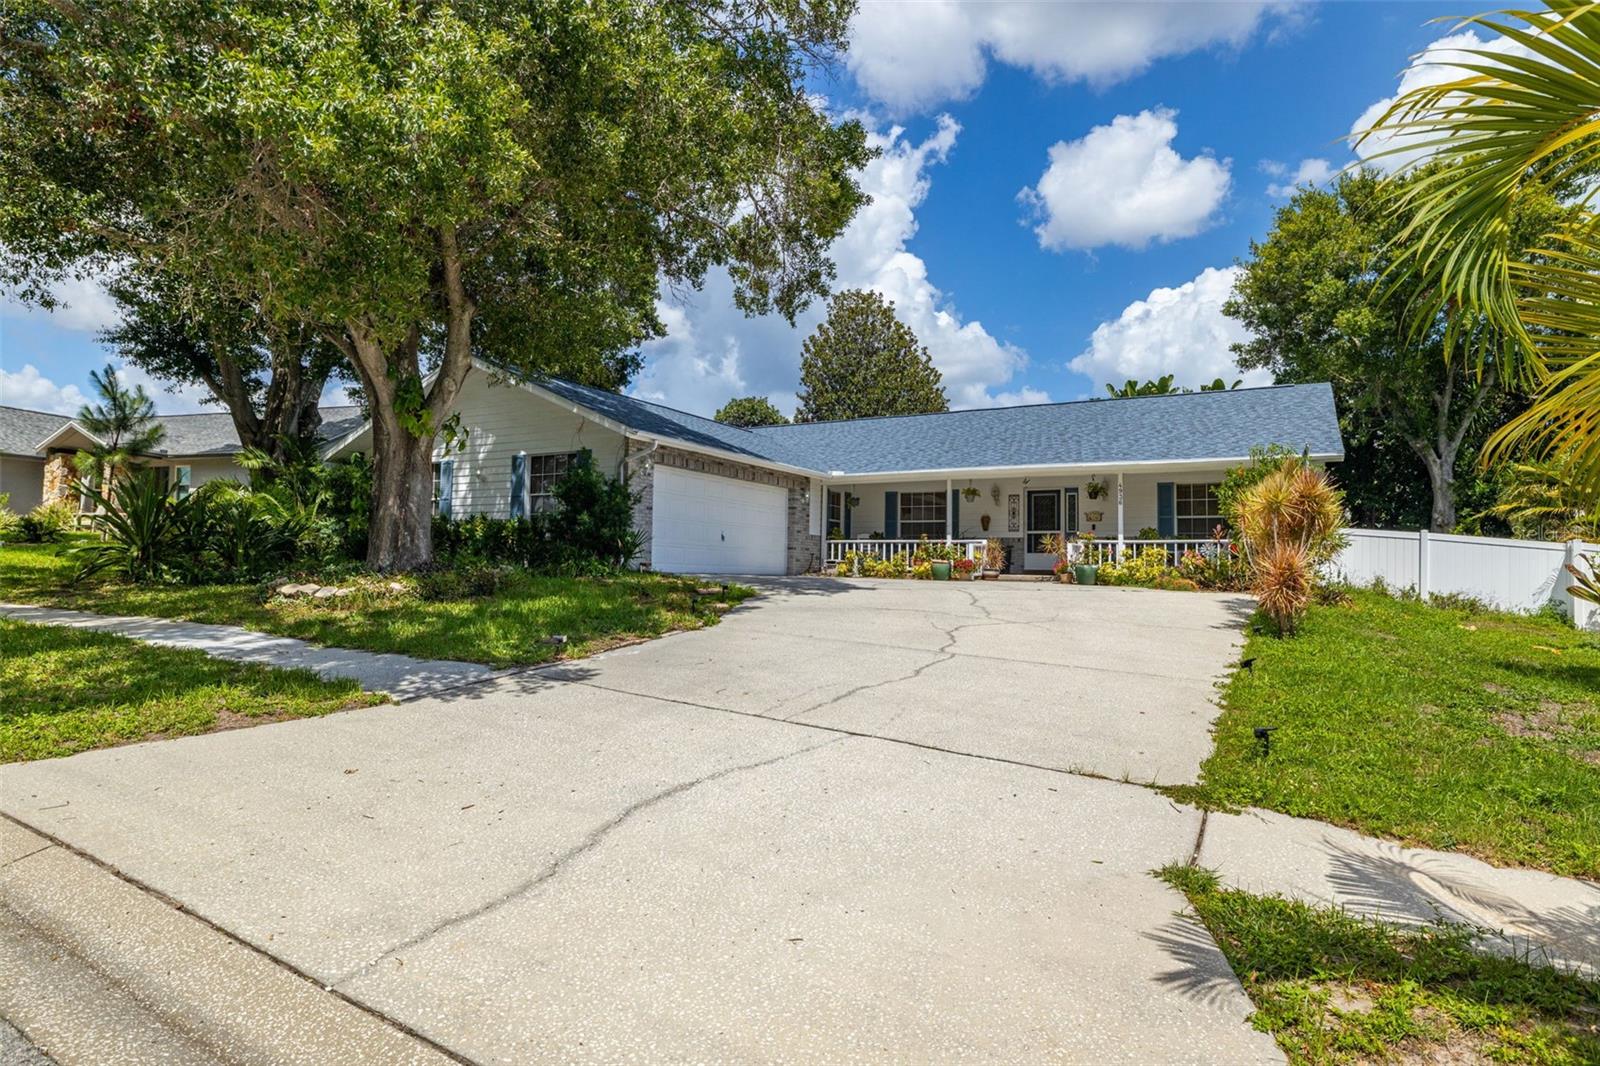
704	524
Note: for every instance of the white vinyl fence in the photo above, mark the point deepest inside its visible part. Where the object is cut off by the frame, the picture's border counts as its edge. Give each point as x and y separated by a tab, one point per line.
1515	575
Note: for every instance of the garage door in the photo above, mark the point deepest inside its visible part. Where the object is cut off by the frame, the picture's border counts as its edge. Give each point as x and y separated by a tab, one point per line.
704	524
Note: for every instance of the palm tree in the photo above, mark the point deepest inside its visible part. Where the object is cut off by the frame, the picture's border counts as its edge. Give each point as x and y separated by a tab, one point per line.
1519	123
1543	499
123	422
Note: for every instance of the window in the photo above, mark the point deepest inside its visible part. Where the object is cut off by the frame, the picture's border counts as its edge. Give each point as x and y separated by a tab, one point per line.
435	488
180	481
835	514
543	473
1197	510
922	513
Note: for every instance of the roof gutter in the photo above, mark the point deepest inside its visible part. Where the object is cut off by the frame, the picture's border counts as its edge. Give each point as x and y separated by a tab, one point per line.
1038	468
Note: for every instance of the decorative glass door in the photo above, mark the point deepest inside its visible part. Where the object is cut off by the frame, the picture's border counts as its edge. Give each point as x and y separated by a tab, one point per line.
1044	520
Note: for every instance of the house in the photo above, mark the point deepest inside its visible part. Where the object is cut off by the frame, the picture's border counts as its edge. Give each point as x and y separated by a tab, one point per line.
37	449
789	499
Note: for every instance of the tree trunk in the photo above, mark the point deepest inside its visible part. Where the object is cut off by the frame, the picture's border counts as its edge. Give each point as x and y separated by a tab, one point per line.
1442	475
400	529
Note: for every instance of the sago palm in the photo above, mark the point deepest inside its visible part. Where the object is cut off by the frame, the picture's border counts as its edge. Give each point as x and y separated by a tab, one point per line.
1518	122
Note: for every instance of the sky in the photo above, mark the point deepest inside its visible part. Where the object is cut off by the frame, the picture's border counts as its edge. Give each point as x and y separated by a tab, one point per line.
1062	195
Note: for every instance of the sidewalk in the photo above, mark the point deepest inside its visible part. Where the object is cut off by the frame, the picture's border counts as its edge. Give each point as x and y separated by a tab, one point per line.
1529	912
401	676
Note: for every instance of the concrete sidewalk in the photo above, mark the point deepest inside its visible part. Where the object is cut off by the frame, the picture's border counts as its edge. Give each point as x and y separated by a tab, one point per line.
401	676
1527	912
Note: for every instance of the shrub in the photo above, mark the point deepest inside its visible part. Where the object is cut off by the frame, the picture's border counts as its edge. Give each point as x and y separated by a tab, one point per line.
473	580
1283	584
965	567
1149	533
1145	568
10	521
1174	583
139	523
47	522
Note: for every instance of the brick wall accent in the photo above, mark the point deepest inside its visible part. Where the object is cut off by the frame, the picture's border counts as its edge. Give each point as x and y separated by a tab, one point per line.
804	550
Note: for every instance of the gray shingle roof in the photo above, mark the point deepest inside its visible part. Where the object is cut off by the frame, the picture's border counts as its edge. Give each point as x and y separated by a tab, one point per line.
1172	428
1175	428
21	430
208	433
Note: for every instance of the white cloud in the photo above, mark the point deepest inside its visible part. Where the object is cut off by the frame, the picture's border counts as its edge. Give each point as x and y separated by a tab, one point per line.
169	398
914	57
1435	65
1309	172
1123	184
31	389
712	352
1180	331
85	306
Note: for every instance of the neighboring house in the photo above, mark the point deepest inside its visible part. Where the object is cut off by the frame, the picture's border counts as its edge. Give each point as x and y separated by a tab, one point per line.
37	450
786	499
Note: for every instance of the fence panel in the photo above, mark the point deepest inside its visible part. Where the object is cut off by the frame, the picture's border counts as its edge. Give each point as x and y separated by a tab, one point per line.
1515	575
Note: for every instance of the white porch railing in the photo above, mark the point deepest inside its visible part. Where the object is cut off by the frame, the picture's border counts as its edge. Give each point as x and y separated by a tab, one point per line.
878	548
1108	551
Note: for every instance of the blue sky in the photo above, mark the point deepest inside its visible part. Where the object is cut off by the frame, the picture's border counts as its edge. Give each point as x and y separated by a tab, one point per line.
1154	142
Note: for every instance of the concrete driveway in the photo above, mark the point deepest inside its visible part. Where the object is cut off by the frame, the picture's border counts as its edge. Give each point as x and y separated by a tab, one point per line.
835	826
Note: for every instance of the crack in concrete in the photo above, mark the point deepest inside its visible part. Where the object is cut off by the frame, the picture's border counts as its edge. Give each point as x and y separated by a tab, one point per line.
12	862
591	840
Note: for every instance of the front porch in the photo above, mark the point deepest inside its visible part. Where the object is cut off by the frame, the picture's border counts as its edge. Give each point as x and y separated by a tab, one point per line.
1123	512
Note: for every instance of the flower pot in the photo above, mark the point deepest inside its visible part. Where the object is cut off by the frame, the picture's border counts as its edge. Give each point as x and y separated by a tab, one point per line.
983	520
1085	573
1064	576
941	570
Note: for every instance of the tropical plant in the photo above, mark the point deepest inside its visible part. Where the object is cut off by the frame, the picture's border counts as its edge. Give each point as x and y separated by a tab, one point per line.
1288	524
10	521
138	524
1515	125
863	362
1587	586
47	522
123	423
1160	386
750	411
994	555
1542	499
1237	480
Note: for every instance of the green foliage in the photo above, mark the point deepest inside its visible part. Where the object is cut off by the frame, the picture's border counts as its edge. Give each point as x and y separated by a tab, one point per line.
1333	987
69	690
749	411
1237	480
10	521
124	422
1319	305
1146	567
863	362
139	524
47	522
1163	386
1544	499
1465	731
504	629
590	532
426	183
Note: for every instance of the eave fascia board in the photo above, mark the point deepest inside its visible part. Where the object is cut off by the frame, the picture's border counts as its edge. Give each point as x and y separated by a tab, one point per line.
1054	468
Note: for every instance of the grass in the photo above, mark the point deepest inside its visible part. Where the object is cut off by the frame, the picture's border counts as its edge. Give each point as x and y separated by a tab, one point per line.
507	628
68	690
1334	988
1469	731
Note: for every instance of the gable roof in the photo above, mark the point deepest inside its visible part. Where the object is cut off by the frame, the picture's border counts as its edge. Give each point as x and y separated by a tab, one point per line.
1175	428
206	434
1178	427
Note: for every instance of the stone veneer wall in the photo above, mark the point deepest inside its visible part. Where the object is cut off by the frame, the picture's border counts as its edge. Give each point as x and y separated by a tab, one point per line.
804	548
58	472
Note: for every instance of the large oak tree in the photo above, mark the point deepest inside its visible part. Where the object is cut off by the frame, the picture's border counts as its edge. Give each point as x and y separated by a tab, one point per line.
428	181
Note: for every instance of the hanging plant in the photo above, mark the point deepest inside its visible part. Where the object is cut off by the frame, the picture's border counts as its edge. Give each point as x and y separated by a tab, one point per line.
969	494
1096	489
853	501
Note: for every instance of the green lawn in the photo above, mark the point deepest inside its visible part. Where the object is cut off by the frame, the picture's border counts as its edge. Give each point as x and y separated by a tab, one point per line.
507	628
1471	731
1332	988
69	690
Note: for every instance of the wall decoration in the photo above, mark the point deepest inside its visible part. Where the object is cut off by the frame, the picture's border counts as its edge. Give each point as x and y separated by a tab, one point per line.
1014	513
1094	516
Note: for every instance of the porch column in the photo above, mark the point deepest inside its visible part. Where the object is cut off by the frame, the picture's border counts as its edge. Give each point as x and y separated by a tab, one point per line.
1119	516
949	532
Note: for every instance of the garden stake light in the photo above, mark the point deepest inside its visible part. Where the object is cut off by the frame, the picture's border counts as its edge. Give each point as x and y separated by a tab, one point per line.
1264	734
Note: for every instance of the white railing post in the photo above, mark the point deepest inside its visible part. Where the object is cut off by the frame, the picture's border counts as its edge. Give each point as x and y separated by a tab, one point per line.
1422	564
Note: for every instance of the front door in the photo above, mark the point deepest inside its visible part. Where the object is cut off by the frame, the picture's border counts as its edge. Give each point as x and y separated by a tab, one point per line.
1044	520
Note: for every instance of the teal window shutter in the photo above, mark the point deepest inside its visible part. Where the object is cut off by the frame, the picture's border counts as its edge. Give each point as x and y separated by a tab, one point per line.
891	515
446	470
1166	509
955	512
519	484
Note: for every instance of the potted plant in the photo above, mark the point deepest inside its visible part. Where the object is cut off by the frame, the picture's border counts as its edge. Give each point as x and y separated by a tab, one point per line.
964	569
969	493
994	559
1064	571
1084	571
1096	489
